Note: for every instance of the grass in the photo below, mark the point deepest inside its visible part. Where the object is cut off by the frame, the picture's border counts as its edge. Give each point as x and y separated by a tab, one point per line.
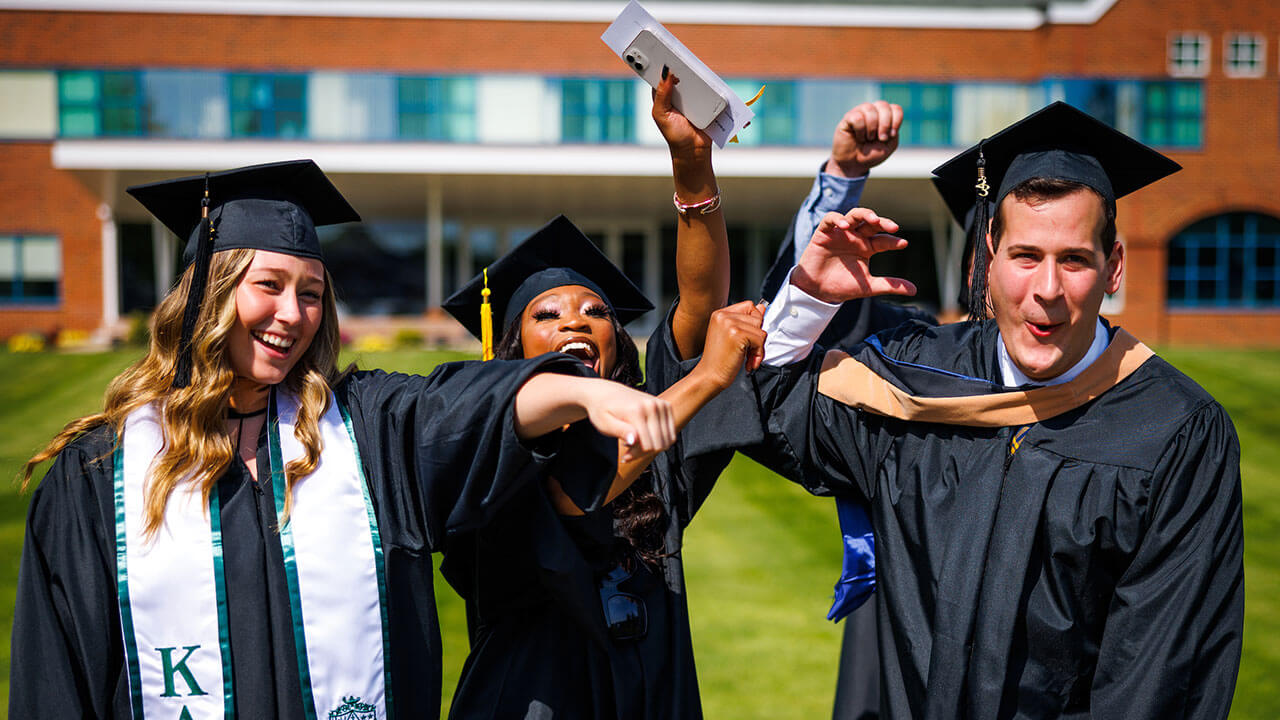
760	557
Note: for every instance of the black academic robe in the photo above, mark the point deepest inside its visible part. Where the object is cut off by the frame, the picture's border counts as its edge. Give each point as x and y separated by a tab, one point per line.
531	581
1096	572
858	676
441	457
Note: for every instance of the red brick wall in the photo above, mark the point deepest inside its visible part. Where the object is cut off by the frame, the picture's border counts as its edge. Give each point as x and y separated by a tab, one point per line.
35	198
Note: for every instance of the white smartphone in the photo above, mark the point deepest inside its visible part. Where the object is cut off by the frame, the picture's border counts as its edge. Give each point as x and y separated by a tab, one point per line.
693	97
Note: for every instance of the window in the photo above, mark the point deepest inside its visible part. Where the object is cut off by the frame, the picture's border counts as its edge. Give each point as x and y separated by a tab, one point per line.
926	111
1246	55
1172	113
776	120
30	266
268	106
597	111
1230	260
1189	55
437	109
97	104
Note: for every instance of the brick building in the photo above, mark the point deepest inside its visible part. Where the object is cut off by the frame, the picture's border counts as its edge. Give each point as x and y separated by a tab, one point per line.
455	128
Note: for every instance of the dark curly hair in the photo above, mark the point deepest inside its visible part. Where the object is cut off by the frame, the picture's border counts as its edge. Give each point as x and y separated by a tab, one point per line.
638	513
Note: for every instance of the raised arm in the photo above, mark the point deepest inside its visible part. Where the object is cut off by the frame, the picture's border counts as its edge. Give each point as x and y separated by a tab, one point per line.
734	340
702	244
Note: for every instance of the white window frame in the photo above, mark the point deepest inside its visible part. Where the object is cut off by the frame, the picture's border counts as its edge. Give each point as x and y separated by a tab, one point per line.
1258	69
1178	65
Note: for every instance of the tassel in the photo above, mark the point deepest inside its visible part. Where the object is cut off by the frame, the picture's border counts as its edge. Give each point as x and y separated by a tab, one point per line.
978	277
199	279
486	321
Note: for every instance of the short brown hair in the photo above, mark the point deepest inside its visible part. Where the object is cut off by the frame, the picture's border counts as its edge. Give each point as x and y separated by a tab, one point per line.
1039	189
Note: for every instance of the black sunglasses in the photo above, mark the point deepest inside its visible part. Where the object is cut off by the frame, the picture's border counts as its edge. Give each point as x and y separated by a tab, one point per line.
623	612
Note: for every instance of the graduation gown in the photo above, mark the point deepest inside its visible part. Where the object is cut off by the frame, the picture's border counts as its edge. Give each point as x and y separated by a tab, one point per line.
540	647
440	456
1096	572
858	676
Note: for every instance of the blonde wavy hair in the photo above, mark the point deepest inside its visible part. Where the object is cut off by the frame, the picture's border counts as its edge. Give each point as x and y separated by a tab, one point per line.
197	444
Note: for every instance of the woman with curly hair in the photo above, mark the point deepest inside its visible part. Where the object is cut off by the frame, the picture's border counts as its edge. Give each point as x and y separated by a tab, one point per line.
245	531
575	612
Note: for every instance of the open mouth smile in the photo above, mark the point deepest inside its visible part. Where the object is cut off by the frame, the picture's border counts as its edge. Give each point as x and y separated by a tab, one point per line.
583	349
277	343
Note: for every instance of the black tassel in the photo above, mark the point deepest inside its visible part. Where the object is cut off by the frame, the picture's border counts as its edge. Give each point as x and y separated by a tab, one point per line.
199	279
978	238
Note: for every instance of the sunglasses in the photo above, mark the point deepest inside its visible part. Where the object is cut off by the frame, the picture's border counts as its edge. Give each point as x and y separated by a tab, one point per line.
623	612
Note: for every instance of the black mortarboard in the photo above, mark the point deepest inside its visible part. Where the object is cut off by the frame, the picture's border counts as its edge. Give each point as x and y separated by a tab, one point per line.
557	254
1057	142
275	207
1064	143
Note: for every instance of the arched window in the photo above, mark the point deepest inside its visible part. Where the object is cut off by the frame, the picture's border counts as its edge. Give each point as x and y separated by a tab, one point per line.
1230	260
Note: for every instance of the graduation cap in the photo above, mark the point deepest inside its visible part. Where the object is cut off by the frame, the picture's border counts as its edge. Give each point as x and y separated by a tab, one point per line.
274	207
1057	142
558	254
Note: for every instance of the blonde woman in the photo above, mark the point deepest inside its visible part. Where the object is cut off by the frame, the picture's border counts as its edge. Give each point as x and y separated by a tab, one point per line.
244	531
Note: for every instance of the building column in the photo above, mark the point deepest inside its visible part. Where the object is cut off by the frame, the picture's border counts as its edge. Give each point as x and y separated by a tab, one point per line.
110	253
435	244
613	244
162	249
462	259
653	270
948	253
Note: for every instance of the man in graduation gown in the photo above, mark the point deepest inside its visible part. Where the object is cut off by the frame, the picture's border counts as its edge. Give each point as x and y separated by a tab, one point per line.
1056	510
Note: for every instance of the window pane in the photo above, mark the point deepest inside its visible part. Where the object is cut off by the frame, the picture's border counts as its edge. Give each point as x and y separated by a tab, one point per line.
290	91
78	87
290	124
1187	98
413	91
8	258
121	121
78	122
120	88
246	122
40	259
241	89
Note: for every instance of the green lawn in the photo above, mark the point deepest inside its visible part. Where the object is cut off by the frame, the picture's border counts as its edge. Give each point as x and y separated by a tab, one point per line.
761	557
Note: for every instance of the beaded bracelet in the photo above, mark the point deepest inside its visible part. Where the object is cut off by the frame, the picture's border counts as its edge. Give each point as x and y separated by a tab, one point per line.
704	207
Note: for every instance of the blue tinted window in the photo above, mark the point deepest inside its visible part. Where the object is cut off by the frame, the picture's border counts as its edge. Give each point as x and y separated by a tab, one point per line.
597	111
926	111
268	105
439	108
186	104
30	269
93	103
1228	260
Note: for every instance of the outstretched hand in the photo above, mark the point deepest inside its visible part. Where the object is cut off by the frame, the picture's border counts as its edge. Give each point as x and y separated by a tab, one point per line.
865	137
734	340
835	266
685	140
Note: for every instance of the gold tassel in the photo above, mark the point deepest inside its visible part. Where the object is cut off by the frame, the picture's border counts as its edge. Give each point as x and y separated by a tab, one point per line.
486	321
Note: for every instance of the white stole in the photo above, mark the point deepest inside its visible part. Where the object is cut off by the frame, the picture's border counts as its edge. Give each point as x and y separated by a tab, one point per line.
173	596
